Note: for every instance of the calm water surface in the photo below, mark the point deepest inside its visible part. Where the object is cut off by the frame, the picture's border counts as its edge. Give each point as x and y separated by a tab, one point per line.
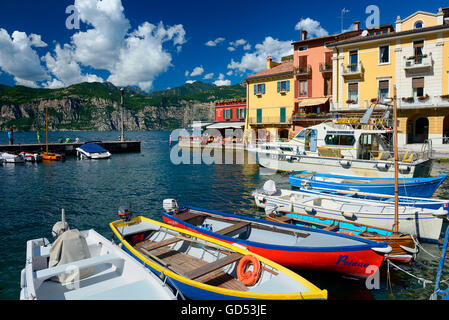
32	196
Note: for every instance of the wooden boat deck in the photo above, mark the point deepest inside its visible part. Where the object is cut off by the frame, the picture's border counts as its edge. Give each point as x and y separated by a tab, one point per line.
192	267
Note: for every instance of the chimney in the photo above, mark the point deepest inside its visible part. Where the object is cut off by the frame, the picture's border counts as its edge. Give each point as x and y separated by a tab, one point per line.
269	62
357	25
304	35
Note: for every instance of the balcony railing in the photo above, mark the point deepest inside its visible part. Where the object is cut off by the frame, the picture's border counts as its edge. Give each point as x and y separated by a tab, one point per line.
353	69
325	67
309	116
419	63
302	70
268	120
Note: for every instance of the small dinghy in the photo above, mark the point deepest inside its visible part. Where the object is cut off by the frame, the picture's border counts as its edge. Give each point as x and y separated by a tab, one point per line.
31	157
403	246
291	246
425	224
92	151
11	158
417	202
410	187
49	156
83	265
205	268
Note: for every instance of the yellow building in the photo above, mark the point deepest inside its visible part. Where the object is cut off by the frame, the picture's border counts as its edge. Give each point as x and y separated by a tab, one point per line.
414	56
270	102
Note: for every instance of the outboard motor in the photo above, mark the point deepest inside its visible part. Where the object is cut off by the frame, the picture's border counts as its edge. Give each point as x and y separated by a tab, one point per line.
271	208
61	226
170	205
269	188
124	213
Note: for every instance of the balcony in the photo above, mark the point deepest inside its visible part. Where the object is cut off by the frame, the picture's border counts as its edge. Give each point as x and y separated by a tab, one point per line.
302	116
326	67
413	102
275	120
353	70
303	70
419	63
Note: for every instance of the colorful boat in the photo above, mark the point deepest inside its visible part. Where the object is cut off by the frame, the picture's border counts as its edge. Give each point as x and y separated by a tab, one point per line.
48	156
403	246
291	246
83	265
11	158
425	224
416	202
205	268
31	157
410	187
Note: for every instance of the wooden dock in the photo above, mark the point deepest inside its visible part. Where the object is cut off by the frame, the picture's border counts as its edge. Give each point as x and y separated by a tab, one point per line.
69	149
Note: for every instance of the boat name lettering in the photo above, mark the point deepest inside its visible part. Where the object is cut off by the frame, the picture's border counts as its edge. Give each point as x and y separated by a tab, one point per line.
344	260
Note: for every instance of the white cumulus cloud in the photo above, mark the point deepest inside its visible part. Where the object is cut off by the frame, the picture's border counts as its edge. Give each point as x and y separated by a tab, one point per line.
256	61
214	43
208	76
312	27
197	71
221	81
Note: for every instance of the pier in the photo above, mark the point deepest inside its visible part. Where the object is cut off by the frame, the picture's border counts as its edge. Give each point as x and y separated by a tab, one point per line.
69	149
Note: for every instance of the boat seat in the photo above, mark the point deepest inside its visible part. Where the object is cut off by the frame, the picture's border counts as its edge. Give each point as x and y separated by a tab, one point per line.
218	264
161	244
236	228
189	215
45	274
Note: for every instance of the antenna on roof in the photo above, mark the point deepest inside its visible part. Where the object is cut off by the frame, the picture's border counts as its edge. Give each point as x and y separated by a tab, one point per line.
342	17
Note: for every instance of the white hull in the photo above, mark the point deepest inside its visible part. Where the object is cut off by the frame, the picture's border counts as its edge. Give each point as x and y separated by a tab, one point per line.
11	158
93	156
346	167
115	275
415	221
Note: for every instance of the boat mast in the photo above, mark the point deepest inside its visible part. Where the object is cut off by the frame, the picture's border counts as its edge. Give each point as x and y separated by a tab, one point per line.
46	128
396	164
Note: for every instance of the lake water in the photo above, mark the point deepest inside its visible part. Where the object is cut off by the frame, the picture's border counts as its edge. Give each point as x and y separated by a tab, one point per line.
32	196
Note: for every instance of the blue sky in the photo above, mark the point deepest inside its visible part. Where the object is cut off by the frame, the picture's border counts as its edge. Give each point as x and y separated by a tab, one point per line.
157	45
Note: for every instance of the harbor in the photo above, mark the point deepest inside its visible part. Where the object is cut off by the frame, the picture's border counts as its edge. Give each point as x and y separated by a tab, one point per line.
324	175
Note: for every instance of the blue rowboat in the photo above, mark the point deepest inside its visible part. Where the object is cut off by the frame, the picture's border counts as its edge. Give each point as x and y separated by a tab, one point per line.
203	268
409	187
416	202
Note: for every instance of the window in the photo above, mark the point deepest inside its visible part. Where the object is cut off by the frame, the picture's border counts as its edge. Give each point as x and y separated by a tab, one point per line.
384	90
327	86
353	60
228	114
418	47
303	87
419	24
418	87
384	54
283	86
339	140
304	48
259	89
241	113
353	93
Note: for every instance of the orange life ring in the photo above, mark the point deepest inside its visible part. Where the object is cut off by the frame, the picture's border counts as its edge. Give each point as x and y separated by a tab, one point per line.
246	276
348	233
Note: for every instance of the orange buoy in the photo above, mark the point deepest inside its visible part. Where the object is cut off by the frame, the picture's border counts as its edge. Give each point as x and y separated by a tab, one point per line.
245	275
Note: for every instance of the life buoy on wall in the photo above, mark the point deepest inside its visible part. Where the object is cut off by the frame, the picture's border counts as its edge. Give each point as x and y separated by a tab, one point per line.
245	275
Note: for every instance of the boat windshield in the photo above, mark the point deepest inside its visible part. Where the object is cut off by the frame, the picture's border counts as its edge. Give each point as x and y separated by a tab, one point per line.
301	135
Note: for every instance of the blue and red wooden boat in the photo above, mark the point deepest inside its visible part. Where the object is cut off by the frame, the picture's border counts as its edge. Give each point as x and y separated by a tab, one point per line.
408	187
292	246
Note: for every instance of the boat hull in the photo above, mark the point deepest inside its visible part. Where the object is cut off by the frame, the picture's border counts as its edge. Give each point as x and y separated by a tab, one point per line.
360	262
348	167
424	187
424	226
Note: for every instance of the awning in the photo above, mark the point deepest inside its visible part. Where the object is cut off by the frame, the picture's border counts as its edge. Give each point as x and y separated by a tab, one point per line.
199	125
313	102
227	125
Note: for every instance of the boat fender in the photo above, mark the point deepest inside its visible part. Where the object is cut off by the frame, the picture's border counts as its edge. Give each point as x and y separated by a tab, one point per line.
348	215
409	250
22	278
309	210
440	213
385	250
247	275
382	165
348	233
345	163
404	168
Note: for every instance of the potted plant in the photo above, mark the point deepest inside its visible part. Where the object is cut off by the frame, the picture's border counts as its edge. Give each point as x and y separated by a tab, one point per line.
445	97
350	101
374	100
408	99
423	98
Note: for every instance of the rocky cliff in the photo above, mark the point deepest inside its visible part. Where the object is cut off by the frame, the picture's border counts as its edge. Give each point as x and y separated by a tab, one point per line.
98	109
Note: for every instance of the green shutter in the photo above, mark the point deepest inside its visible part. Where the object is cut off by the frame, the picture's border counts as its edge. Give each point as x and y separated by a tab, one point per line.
259	115
230	113
279	86
283	116
288	86
255	89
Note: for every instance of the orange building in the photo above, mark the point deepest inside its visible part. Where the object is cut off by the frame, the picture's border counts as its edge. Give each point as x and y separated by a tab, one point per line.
313	68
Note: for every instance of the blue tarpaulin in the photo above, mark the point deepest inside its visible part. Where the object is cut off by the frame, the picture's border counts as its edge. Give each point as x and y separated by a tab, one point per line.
93	148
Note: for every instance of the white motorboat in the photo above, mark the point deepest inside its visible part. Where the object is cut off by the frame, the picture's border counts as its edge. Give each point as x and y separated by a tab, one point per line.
31	157
92	151
11	158
86	266
343	148
423	223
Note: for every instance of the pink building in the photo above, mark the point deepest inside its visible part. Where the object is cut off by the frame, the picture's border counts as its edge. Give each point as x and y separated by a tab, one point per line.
313	67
